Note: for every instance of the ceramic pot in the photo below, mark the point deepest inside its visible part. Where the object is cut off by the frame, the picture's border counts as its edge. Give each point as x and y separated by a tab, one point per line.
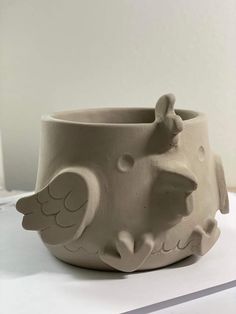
126	188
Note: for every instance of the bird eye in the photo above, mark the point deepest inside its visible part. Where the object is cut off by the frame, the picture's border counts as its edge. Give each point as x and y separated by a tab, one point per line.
125	163
201	153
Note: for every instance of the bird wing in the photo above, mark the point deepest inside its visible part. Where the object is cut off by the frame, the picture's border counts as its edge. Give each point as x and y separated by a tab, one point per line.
223	194
62	210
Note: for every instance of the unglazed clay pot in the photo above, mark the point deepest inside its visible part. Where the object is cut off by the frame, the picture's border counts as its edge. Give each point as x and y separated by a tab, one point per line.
126	188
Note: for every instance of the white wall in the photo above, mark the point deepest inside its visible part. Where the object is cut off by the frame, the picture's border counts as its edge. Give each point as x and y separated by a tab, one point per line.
2	181
60	54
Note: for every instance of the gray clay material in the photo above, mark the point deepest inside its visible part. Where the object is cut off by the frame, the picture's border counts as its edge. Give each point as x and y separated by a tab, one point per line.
126	188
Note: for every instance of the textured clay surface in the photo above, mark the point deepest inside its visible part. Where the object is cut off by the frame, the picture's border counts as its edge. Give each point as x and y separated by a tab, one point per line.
126	188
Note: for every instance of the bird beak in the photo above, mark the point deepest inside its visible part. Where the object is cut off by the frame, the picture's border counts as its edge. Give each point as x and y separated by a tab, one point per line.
176	176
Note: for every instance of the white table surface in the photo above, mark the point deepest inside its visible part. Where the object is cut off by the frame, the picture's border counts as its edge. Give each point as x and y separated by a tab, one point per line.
218	303
33	281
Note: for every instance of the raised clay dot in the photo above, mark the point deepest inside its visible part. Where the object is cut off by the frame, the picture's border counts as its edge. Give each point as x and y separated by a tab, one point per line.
201	153
125	163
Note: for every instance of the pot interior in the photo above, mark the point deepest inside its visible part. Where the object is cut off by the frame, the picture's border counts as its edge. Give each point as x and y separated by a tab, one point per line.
117	115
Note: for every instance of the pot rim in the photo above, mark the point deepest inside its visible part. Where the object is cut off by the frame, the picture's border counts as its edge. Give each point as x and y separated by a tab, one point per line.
66	117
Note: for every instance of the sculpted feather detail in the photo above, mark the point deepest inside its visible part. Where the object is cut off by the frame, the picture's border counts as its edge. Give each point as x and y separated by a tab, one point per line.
62	210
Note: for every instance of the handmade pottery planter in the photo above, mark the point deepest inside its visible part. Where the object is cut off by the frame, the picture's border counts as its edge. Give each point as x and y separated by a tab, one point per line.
126	188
